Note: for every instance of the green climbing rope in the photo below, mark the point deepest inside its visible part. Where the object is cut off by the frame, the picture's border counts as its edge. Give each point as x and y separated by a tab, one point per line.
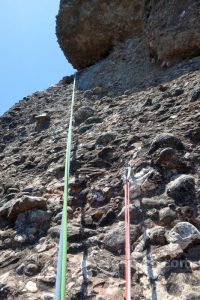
62	256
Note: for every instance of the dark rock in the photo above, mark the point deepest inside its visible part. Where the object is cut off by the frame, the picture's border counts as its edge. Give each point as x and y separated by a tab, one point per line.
189	213
94	120
77	185
25	203
85	128
57	171
42	118
151	203
166	140
109	154
194	134
4	291
20	269
54	232
114	240
168	161
75	248
2	147
2	157
195	95
42	122
8	138
29	165
13	190
163	88
106	138
193	296
178	92
98	90
155	107
100	163
182	189
166	155
82	114
193	253
89	147
4	209
68	79
31	269
58	218
157	236
108	219
28	189
136	215
148	102
88	94
166	216
76	234
10	196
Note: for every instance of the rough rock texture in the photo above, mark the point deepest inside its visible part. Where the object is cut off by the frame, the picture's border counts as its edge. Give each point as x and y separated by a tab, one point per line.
88	30
128	111
109	132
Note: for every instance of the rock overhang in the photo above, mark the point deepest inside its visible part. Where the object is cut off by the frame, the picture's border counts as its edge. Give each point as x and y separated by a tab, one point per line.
88	30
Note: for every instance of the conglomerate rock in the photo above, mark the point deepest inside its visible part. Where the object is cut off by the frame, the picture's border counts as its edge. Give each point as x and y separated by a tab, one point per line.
88	30
128	111
119	130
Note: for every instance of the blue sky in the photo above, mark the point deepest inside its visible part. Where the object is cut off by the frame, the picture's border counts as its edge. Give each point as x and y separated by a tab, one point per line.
30	57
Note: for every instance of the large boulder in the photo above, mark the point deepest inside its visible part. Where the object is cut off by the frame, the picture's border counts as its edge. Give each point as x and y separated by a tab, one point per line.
88	30
182	189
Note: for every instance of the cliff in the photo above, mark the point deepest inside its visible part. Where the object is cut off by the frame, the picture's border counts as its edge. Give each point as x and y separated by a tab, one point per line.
89	30
137	104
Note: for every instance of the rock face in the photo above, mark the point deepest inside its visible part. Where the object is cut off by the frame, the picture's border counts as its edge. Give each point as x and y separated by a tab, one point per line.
88	31
128	111
155	140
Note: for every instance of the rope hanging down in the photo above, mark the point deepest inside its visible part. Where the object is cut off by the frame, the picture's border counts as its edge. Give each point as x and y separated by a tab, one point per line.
62	254
127	236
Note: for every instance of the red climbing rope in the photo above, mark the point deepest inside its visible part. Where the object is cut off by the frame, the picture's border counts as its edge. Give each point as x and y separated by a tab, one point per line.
127	237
